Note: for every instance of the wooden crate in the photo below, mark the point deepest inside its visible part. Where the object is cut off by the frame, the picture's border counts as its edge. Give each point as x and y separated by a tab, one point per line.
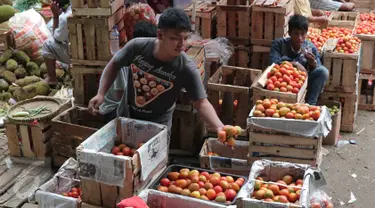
349	104
343	71
269	23
196	53
364	5
95	8
260	93
187	133
233	161
31	140
260	56
71	128
90	38
6	37
366	99
204	20
231	86
86	83
233	22
368	53
241	56
127	170
279	146
343	19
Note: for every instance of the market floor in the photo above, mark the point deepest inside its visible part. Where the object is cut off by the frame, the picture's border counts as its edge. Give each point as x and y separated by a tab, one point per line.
351	168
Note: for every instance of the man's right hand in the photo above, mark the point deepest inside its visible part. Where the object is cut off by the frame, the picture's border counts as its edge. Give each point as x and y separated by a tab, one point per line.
94	104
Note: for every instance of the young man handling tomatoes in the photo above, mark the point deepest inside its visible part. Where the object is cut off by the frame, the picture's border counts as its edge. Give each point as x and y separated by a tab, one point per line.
158	70
303	54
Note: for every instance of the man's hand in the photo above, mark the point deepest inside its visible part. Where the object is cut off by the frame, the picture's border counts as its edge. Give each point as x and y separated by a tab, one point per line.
322	20
94	104
311	59
56	11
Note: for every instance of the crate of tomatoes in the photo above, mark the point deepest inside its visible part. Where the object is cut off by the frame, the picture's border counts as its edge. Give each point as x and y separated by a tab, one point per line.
63	190
283	82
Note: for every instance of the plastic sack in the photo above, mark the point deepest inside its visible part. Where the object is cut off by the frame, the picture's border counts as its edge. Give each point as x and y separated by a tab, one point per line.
219	47
320	199
30	31
135	13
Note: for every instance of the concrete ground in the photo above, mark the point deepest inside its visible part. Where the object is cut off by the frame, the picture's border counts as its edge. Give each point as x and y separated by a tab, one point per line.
340	165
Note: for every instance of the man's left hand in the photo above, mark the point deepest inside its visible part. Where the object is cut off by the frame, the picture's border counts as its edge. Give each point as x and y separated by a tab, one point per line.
310	58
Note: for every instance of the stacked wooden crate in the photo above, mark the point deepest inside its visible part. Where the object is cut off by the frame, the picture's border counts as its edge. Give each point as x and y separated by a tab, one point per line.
364	5
89	37
343	19
205	15
342	84
233	22
269	20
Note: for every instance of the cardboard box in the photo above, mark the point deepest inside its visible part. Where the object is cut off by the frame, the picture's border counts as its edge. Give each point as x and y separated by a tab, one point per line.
107	178
333	136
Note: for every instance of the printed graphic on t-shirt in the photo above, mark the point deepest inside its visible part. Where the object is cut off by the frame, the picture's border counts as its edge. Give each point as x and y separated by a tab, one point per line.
147	87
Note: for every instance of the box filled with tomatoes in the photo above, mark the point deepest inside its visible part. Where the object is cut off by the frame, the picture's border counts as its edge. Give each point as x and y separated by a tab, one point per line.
287	132
283	82
279	184
63	190
365	31
217	156
120	159
341	58
343	19
201	186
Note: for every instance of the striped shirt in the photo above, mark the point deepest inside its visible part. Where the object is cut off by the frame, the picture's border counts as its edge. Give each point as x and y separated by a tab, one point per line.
327	5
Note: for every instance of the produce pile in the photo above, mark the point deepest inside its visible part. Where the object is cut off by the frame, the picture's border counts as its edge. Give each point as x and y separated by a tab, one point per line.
347	45
21	78
274	108
202	185
334	110
367	24
124	150
74	192
229	134
315	37
285	190
285	78
135	13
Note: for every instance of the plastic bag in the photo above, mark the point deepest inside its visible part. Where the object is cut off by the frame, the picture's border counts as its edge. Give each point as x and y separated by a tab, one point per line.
320	199
30	31
135	13
219	47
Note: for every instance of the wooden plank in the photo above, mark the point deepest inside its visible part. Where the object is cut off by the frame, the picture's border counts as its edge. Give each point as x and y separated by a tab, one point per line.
367	54
336	71
37	138
89	31
78	88
269	29
26	141
283	151
73	40
12	135
257	29
349	77
244	25
80	47
91	192
8	178
109	195
281	139
279	25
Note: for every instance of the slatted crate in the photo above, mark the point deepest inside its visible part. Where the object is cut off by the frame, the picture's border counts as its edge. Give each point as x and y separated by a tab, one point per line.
368	49
343	71
364	5
241	56
270	22
233	21
31	140
366	92
71	128
349	103
343	19
95	8
279	146
85	83
230	94
260	56
260	93
204	20
90	38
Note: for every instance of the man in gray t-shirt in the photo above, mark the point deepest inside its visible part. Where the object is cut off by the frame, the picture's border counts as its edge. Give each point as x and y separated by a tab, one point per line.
158	70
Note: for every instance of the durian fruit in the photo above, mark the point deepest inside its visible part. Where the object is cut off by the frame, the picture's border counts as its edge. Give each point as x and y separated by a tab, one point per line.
9	76
5	56
31	90
5	96
12	88
27	80
6	12
32	69
6	2
21	57
20	72
11	65
2	69
3	85
60	73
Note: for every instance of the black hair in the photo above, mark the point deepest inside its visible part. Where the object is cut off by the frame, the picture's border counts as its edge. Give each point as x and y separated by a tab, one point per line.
144	28
298	22
174	18
63	4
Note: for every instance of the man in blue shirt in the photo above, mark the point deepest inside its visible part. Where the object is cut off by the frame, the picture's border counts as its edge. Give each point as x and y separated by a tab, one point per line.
303	54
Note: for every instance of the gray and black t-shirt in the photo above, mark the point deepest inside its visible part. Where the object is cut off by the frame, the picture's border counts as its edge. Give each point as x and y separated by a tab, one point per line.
154	86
